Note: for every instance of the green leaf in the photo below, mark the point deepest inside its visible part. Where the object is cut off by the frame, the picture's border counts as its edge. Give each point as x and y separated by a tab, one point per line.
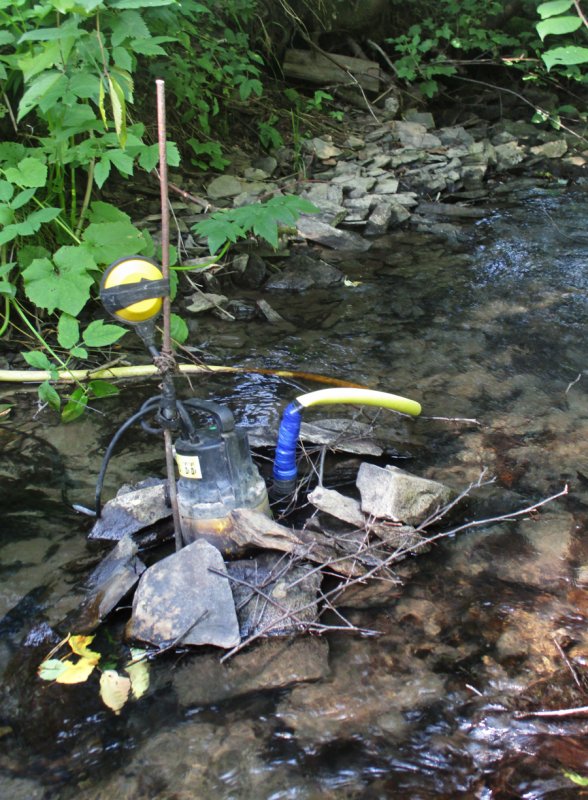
140	3
122	58
119	114
122	161
64	283
101	172
554	7
68	331
6	191
75	406
29	172
45	89
558	25
565	56
106	212
111	240
103	388
37	360
100	334
22	198
179	329
48	395
149	157
7	289
147	47
78	352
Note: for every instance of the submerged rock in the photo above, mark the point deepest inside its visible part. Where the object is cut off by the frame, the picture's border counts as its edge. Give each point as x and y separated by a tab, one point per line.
273	595
186	599
274	664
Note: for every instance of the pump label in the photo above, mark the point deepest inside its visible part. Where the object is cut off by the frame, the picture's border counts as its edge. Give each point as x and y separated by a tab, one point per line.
188	466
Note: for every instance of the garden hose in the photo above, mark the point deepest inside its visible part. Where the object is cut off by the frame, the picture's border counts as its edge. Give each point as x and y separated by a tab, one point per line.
285	471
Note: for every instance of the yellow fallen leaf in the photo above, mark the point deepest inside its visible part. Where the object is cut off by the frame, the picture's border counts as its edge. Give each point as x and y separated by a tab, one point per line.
79	645
114	689
348	282
76	672
138	672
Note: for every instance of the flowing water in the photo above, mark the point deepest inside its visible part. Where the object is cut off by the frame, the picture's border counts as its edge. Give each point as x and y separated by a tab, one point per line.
487	329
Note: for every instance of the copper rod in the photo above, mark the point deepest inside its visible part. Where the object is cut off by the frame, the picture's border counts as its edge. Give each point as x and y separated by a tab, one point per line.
167	361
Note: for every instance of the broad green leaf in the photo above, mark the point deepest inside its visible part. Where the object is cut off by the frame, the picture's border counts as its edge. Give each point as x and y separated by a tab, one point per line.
6	37
64	283
40	89
48	394
51	669
76	6
111	240
179	329
68	331
22	198
147	47
565	56
78	672
73	409
101	334
114	689
558	25
101	172
100	388
122	161
29	172
78	352
554	7
7	289
84	84
37	360
140	3
6	191
6	216
106	212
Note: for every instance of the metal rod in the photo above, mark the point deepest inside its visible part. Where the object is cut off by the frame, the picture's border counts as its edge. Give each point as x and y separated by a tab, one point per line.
167	360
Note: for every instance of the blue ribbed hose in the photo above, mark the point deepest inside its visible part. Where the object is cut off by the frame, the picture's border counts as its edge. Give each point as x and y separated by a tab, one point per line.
285	471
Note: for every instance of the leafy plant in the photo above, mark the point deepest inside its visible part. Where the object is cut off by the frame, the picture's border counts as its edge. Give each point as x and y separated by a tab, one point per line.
261	219
556	21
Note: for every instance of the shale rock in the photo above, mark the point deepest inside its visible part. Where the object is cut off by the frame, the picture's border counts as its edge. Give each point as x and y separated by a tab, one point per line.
186	599
392	493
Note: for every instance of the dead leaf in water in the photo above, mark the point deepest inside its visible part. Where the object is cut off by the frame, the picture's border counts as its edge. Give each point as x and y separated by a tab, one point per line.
114	689
138	671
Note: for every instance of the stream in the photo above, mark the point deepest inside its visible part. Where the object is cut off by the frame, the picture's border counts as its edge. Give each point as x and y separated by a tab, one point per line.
487	330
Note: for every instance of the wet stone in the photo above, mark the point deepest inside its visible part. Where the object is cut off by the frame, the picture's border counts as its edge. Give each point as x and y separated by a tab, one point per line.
327	235
303	272
267	665
131	511
286	600
224	186
392	493
185	599
110	582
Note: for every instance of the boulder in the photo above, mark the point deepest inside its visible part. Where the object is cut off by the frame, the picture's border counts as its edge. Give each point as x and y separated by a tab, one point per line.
186	599
392	493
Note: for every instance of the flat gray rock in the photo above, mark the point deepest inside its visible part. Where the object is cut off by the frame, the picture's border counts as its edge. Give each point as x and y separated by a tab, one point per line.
131	511
392	493
183	600
328	236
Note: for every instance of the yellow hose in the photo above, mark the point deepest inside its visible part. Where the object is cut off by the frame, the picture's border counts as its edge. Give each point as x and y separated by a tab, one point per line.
367	397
